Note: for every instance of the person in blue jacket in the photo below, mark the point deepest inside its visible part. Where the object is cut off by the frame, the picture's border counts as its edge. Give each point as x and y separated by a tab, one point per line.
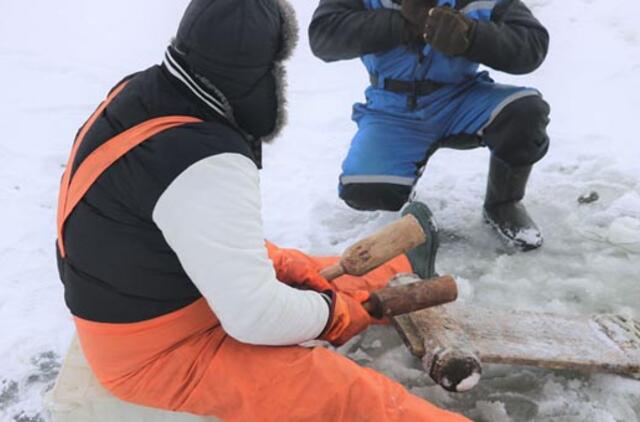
427	92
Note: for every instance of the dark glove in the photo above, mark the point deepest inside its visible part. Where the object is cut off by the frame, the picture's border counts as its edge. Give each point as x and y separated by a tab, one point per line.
416	12
449	31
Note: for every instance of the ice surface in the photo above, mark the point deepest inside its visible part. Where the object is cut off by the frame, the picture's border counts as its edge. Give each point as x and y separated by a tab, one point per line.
58	60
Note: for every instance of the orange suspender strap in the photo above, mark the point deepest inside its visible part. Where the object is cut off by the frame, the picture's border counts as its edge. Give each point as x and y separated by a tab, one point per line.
66	177
74	189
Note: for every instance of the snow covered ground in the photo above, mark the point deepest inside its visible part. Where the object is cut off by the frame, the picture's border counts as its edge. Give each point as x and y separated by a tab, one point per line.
58	59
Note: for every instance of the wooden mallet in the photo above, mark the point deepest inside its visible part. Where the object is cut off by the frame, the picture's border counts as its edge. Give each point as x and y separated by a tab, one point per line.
455	368
398	300
397	238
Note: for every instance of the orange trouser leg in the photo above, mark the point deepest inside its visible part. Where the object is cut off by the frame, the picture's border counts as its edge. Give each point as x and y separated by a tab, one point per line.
262	384
184	361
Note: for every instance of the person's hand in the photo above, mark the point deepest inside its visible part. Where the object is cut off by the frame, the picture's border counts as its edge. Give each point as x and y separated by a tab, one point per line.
448	30
296	272
416	12
348	317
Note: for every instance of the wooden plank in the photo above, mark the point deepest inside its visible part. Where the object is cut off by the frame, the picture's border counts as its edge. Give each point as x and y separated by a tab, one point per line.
603	343
409	334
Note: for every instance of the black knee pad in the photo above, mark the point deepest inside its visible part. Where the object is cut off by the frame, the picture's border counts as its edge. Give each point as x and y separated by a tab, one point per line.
375	196
518	135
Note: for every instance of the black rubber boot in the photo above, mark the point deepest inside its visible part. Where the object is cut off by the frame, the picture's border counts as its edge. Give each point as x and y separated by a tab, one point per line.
503	209
423	257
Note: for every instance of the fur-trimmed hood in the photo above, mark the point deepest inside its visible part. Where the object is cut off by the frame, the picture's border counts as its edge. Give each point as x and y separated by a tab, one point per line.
290	30
236	47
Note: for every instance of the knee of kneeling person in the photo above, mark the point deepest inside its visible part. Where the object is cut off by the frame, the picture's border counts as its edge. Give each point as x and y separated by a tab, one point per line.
519	134
375	196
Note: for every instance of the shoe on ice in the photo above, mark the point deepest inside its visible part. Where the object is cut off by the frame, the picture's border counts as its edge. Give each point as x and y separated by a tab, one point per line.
423	257
503	209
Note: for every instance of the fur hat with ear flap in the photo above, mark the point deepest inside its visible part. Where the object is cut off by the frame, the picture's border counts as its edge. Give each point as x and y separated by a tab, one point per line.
236	48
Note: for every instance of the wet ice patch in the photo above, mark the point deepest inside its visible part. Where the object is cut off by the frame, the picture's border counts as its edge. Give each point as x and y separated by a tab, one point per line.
493	411
9	393
624	229
624	233
616	223
21	400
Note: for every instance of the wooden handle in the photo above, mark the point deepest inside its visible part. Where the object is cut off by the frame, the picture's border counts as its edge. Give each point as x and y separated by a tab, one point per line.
404	299
456	370
395	239
450	357
332	272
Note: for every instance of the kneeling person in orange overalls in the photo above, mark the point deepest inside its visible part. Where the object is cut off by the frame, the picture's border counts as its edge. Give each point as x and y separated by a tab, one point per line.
178	301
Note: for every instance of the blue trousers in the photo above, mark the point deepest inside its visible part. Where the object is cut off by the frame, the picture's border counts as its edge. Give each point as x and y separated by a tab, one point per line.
393	142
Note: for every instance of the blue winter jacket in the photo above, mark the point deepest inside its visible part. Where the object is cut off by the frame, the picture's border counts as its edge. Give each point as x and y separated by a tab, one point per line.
507	37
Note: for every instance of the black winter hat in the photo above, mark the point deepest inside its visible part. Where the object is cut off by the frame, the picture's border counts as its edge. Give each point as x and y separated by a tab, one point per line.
233	43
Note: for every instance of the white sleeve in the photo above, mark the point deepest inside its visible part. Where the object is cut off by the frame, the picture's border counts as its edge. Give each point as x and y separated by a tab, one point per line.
210	216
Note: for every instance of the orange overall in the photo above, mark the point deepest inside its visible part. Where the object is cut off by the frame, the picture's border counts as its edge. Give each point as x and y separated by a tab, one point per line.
184	361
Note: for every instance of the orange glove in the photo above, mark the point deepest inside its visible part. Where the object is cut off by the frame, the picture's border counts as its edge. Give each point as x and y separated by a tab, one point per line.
295	271
348	317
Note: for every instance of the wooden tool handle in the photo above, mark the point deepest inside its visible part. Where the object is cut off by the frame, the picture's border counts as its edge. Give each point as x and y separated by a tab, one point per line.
450	357
404	299
456	370
332	272
397	238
